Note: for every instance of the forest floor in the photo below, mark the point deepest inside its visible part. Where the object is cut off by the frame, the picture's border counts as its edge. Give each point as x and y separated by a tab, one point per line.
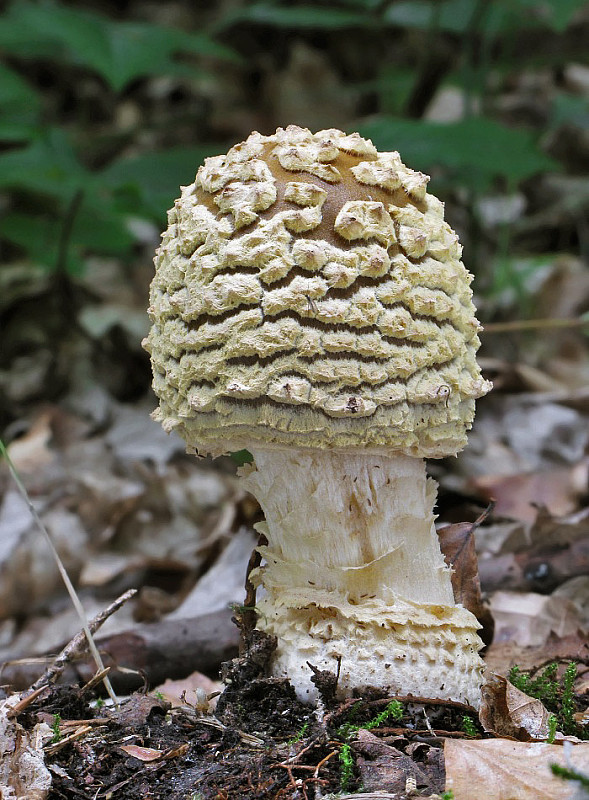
128	509
261	742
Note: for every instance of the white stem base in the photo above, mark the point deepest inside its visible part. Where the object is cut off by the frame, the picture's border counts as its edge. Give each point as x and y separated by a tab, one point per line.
354	576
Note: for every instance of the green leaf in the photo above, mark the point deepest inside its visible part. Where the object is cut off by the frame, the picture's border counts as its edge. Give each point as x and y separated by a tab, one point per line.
15	90
410	14
137	49
119	52
301	17
569	109
96	229
24	38
449	15
38	235
47	165
512	278
153	179
472	152
455	16
555	14
499	16
393	85
19	107
562	12
48	168
13	130
367	5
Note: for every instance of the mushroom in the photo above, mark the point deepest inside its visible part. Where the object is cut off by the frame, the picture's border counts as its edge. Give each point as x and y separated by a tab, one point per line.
310	305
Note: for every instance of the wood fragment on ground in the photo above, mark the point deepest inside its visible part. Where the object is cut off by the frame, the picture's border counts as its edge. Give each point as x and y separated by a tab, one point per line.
148	653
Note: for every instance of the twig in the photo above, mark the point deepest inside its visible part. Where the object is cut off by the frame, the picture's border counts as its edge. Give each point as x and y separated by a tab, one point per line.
77	734
79	643
62	570
324	761
316	781
94	680
348	703
288	768
213	722
418	701
369	796
65	724
24	702
535	324
306	748
427	722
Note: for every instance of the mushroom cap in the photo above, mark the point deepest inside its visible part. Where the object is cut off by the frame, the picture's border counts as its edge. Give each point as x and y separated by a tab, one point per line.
309	293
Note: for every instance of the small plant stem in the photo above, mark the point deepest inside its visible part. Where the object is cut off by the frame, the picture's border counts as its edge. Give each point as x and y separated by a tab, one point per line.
535	324
62	571
63	286
570	775
73	647
431	67
471	70
66	232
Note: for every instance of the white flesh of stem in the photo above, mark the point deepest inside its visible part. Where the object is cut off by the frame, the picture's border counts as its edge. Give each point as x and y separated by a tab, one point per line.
353	570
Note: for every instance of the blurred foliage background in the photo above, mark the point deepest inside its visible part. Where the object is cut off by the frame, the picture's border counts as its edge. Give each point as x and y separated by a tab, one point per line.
106	107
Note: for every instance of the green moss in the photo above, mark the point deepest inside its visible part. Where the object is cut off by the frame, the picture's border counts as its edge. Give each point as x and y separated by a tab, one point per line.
557	695
393	710
468	726
55	728
300	734
346	760
570	775
552	727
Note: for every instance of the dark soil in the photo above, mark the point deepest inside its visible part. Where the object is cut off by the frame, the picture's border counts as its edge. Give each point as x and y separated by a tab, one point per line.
260	742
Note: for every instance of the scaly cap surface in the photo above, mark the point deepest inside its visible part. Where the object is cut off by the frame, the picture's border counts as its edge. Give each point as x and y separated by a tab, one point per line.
308	292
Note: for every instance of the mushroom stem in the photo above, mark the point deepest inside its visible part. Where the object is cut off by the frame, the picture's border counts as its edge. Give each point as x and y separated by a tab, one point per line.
353	569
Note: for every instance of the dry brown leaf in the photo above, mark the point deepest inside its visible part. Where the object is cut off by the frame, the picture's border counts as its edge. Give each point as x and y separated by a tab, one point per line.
524	433
103	568
529	618
23	773
142	753
501	656
177	752
554	531
506	711
517	496
457	543
383	767
31	452
577	591
499	769
188	689
534	558
136	711
222	584
29	575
